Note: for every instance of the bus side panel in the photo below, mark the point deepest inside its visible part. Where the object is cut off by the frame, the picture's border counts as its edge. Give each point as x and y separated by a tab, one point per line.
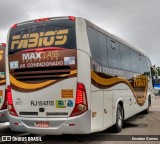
129	105
108	108
123	93
97	111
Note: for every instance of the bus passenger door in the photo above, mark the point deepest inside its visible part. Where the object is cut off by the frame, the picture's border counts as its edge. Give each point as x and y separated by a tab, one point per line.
108	108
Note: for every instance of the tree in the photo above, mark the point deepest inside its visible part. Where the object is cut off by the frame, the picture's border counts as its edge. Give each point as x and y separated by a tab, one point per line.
158	68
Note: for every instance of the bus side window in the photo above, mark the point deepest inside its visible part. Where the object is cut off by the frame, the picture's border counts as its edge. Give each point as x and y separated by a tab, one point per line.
114	53
134	61
97	42
125	57
146	67
141	64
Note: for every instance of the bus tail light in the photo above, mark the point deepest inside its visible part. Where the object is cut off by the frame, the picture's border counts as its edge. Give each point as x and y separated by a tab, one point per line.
42	19
81	105
4	106
10	102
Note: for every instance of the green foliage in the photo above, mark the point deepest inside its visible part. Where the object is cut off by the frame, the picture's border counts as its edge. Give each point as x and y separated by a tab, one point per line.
158	68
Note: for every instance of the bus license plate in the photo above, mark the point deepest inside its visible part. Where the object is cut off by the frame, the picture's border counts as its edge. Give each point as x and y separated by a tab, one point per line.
42	124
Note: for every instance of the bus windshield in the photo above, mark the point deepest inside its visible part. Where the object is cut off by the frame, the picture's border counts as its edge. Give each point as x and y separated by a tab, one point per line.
53	33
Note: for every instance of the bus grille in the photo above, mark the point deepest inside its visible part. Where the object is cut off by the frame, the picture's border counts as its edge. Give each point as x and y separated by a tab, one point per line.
42	73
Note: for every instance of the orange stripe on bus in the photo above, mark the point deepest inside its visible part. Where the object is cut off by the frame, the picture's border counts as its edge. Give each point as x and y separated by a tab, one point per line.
33	86
2	81
29	86
112	81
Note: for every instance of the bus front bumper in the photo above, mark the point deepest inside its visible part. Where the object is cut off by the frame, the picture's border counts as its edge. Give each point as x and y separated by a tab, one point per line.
57	126
4	115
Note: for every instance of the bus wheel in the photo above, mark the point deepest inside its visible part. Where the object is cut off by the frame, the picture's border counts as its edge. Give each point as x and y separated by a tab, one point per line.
119	119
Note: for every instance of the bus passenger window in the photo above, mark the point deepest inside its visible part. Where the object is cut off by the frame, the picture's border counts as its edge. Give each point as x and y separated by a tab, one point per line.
114	54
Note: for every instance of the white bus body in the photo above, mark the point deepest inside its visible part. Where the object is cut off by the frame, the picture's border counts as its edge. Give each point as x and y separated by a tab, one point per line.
59	83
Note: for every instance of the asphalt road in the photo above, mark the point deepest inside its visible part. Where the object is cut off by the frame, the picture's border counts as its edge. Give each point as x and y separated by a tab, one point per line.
141	125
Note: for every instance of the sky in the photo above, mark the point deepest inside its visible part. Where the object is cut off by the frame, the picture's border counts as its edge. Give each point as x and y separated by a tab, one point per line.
135	21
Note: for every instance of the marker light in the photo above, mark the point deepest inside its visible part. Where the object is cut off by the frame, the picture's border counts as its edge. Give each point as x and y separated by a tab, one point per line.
14	26
72	18
42	19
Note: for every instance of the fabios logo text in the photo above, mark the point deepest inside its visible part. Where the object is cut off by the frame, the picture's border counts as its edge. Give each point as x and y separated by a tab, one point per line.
42	39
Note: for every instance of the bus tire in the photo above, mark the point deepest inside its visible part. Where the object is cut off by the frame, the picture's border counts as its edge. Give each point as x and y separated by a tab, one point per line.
119	119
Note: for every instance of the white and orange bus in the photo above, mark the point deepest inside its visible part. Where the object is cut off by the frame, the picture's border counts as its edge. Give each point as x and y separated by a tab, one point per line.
66	75
3	98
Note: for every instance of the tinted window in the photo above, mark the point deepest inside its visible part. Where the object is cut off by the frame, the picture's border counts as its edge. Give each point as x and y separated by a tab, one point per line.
114	53
57	33
134	61
125	57
97	42
143	64
149	62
